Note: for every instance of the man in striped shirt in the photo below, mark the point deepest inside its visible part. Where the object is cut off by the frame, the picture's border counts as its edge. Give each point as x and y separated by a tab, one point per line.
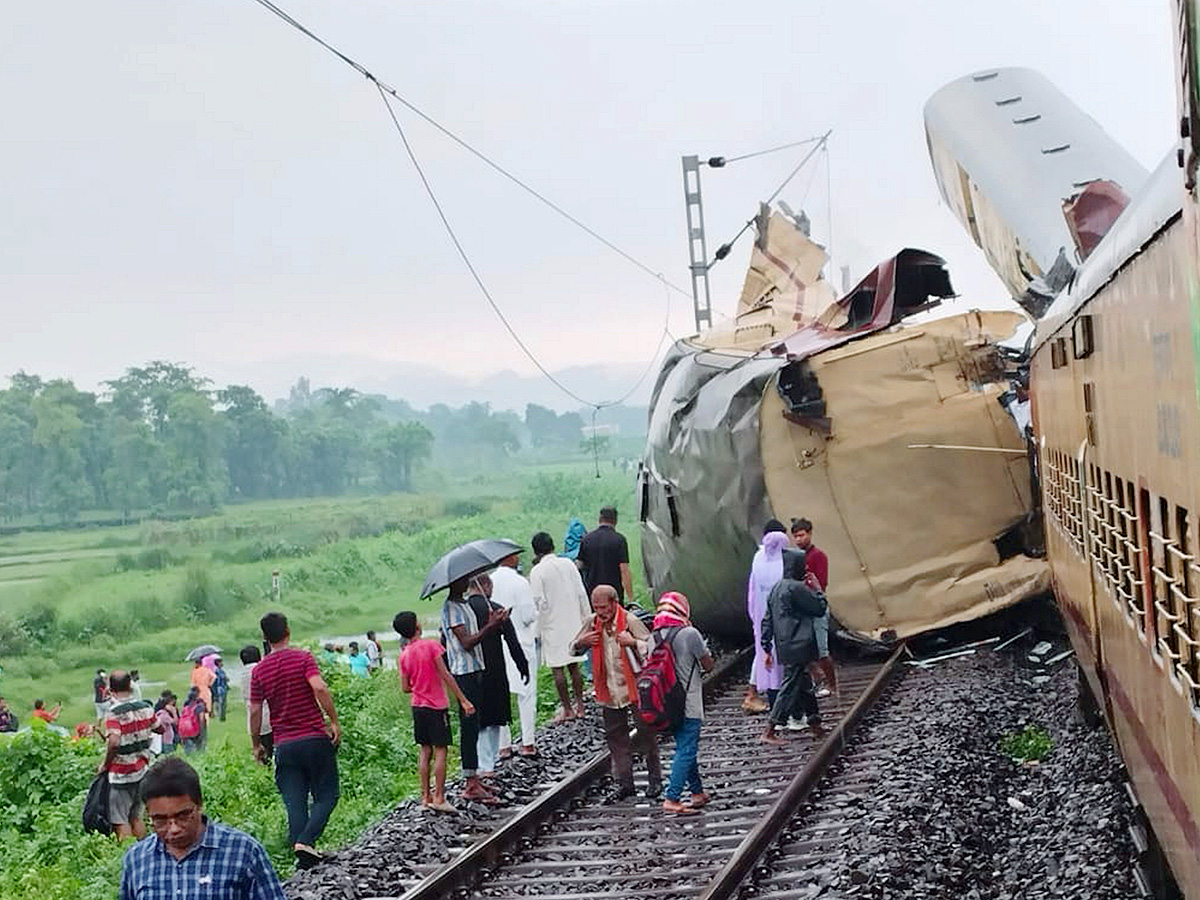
128	726
305	747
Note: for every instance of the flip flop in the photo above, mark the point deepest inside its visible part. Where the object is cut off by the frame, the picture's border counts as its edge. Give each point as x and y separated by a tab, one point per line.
532	751
444	806
306	857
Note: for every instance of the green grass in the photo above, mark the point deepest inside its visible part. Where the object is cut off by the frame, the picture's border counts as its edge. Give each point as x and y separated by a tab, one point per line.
1031	744
141	596
345	564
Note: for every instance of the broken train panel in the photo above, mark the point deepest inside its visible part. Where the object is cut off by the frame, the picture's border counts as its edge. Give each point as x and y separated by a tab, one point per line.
915	537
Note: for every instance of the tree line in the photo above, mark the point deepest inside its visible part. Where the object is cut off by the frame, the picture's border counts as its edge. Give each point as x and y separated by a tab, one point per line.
162	438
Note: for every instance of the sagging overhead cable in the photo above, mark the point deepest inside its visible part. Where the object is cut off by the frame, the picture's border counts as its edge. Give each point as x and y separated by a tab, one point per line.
385	91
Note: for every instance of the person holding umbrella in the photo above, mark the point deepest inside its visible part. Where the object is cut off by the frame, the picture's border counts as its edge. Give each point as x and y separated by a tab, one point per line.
464	635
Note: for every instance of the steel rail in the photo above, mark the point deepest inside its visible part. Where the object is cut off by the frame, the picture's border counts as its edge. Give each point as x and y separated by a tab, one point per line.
463	871
726	883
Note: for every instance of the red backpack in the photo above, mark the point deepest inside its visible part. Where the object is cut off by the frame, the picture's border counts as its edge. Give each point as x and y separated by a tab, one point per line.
661	696
189	722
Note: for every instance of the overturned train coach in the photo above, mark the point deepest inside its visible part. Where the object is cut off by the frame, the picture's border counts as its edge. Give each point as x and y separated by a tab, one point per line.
874	417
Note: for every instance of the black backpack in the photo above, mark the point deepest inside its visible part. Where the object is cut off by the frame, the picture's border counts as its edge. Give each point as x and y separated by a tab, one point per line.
95	807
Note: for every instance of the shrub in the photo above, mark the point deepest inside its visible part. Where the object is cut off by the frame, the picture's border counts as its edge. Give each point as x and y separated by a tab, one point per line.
14	639
1032	743
39	620
202	600
463	509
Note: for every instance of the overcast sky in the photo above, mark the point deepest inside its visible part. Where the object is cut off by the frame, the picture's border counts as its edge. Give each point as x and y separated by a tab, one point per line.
199	182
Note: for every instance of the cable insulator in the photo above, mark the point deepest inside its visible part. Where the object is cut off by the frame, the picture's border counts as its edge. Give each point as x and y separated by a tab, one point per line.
723	251
716	162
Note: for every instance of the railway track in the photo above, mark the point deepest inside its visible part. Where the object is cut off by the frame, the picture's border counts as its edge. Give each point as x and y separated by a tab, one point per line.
571	845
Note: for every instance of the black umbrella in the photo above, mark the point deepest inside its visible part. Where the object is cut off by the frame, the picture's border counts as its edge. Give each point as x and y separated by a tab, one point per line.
467	560
202	651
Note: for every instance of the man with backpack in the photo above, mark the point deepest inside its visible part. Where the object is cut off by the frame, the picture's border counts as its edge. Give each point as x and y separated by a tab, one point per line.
193	721
617	641
682	697
792	606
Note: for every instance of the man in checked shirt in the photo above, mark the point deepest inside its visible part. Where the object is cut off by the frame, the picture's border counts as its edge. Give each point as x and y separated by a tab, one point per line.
189	856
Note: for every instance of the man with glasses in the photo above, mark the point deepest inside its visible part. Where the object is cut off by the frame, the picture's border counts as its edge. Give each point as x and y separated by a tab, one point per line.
189	855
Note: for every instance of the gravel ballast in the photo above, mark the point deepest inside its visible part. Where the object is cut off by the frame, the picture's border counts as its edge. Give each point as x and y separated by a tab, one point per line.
384	860
939	811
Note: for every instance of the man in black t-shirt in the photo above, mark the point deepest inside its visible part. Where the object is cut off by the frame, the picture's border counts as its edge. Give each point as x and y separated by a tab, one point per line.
604	557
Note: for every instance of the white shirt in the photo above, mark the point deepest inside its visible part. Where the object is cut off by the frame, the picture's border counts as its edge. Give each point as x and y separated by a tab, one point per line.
563	603
512	591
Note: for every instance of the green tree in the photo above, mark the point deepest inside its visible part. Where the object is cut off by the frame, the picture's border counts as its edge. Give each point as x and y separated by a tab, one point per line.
58	432
196	475
397	450
146	393
134	476
255	443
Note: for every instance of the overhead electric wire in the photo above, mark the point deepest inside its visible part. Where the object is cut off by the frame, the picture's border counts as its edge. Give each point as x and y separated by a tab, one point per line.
733	159
724	249
385	90
462	142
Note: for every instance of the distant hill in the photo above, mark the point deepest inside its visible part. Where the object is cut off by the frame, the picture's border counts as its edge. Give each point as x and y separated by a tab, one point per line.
421	386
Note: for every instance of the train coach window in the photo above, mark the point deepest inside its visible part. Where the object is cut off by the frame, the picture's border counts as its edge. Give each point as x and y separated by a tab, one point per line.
1162	569
1083	343
1187	666
673	509
644	505
1089	413
1058	353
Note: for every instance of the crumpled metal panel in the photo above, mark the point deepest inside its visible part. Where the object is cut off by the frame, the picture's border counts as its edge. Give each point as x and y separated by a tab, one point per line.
703	459
1152	210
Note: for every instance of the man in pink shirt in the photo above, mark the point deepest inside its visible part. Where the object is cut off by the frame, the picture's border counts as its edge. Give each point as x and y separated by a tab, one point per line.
305	747
423	674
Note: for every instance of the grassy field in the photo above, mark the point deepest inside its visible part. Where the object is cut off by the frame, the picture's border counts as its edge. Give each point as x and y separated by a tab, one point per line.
142	596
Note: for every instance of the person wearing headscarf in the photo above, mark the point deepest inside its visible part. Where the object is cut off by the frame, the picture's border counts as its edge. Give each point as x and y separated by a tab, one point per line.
673	625
572	539
765	572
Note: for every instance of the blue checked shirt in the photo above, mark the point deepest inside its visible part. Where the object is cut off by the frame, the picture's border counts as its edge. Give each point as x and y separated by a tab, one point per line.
226	864
458	660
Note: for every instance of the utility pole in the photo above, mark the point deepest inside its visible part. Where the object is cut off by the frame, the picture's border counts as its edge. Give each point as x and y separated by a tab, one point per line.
697	248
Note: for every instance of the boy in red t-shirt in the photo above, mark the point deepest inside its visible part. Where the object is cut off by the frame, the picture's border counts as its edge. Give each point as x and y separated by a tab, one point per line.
423	674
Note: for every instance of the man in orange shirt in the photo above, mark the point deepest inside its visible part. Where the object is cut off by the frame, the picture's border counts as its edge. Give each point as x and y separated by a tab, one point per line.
202	680
46	715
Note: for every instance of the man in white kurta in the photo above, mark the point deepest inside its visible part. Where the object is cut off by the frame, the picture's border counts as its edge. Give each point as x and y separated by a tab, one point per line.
511	590
563	606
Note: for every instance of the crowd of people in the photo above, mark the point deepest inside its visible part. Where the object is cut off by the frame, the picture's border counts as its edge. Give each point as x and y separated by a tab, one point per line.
495	629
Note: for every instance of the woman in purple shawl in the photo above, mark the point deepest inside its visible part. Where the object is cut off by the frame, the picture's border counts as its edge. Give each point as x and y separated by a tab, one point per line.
765	573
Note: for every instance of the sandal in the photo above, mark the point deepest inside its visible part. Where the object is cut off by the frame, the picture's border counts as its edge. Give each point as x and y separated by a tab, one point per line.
699	800
675	808
529	751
